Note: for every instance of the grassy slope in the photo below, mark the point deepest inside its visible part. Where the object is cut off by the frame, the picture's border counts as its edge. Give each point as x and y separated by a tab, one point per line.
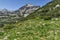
34	28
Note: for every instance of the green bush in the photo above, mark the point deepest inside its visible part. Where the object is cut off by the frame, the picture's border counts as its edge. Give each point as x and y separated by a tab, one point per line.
46	17
9	27
1	33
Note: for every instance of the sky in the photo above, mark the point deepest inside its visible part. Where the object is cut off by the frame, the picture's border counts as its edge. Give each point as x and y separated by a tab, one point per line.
15	4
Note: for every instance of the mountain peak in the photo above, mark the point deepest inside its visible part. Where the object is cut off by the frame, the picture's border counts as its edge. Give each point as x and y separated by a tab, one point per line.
28	5
4	9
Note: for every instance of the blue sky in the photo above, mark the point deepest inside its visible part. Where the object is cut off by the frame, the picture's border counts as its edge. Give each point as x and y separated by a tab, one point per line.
15	4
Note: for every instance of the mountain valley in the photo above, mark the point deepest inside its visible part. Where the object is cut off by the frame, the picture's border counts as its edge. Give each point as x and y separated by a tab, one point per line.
32	23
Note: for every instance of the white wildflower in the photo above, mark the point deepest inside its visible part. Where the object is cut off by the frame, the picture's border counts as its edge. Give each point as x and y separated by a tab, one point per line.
6	37
42	38
15	39
52	22
18	32
57	5
43	24
58	30
56	19
55	32
40	22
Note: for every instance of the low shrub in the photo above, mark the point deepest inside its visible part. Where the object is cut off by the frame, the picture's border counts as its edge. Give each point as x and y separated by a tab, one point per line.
9	27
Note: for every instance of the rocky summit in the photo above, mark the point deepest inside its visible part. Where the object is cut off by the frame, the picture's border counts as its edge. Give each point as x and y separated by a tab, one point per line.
17	14
27	9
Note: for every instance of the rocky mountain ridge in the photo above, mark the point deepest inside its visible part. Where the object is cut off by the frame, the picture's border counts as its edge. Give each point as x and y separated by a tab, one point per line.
24	11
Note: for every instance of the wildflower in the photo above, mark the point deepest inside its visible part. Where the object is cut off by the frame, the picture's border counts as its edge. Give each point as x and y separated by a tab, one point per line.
51	31
15	39
43	24
57	5
55	32
52	22
42	38
40	22
6	37
18	32
56	19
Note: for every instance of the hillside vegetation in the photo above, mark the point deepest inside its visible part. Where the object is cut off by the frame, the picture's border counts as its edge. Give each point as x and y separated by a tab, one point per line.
43	24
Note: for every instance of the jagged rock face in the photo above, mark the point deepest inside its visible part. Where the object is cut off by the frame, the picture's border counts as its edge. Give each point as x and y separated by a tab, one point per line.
22	12
27	9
